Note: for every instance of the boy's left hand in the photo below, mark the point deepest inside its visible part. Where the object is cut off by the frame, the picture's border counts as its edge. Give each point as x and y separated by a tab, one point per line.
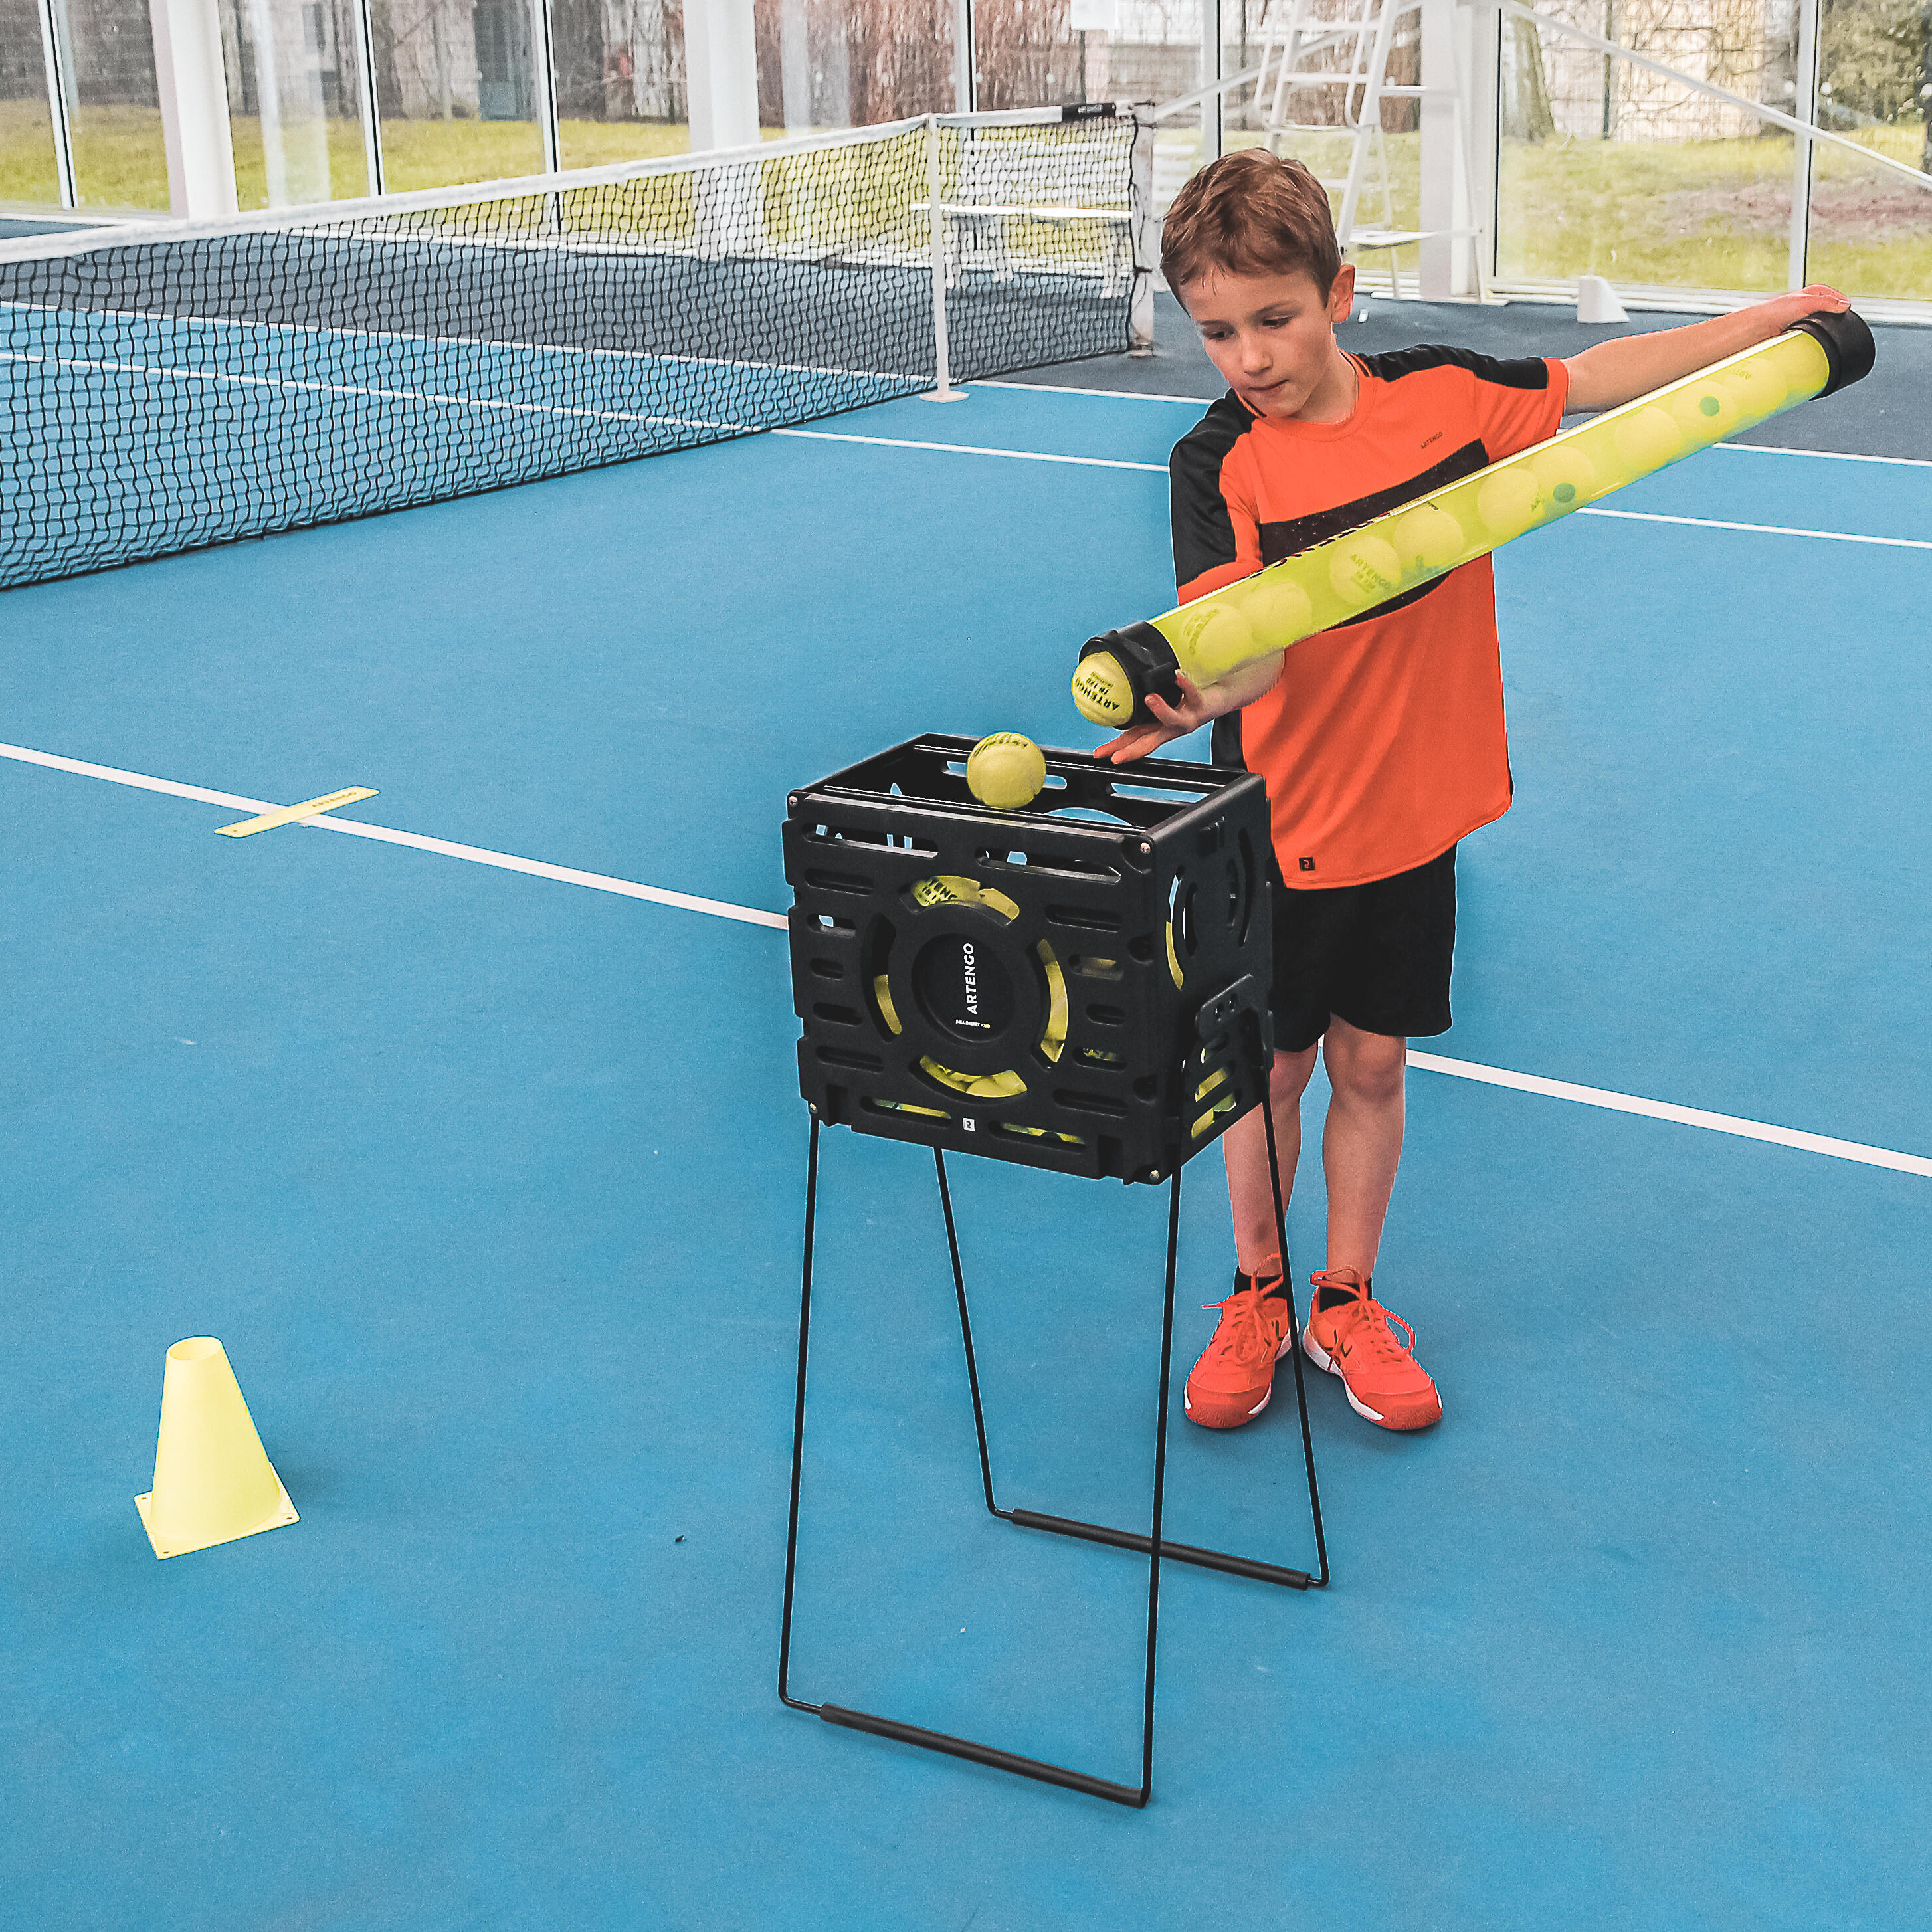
1789	309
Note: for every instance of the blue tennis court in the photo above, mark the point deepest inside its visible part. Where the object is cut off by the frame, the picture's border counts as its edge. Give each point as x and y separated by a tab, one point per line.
486	1167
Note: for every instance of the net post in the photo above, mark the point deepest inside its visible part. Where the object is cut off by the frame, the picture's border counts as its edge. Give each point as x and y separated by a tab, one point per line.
943	392
1144	231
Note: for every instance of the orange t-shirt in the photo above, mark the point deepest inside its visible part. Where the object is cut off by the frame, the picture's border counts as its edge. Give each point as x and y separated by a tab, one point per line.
1382	742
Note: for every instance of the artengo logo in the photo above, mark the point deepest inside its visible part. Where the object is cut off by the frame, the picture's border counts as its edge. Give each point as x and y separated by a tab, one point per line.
972	978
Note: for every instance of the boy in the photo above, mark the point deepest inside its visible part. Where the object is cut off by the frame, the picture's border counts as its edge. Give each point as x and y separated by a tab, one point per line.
1381	743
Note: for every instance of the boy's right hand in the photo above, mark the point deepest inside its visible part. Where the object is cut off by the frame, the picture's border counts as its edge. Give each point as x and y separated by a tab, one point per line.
1170	722
1199	705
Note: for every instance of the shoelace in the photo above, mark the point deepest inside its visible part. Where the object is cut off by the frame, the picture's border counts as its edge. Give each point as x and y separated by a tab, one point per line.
1240	1332
1370	1323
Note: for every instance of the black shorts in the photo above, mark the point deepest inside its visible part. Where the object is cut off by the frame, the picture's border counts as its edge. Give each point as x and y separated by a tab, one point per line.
1377	955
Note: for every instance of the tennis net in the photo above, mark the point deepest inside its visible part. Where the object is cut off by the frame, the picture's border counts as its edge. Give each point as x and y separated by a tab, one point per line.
174	385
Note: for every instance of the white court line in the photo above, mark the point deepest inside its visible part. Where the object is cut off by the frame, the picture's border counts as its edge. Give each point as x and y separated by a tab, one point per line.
1762	529
1829	455
477	855
1430	1062
1665	1110
1112	395
970	449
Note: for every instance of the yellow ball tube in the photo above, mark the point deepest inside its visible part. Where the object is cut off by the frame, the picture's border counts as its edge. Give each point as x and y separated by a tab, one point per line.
1336	582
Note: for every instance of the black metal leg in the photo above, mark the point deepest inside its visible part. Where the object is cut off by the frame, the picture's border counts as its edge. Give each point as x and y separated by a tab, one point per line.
1133	1795
798	1421
1127	1539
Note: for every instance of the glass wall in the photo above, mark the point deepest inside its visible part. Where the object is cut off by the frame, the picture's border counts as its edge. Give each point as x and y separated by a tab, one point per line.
1604	168
1871	229
28	171
295	91
849	63
120	160
456	91
619	80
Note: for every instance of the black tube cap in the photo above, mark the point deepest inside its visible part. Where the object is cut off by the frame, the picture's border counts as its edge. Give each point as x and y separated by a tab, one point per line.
1849	346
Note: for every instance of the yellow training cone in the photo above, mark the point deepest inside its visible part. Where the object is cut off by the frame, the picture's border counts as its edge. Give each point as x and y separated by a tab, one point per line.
213	1481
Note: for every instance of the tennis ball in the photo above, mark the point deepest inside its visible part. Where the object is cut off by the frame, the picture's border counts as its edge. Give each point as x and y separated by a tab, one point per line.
1648	438
1760	389
1055	1037
1800	359
1173	958
882	992
1427	538
1704	412
1279	613
1568	476
998	1086
1507	502
948	888
997	901
1006	771
1210	639
1363	570
1103	693
960	1083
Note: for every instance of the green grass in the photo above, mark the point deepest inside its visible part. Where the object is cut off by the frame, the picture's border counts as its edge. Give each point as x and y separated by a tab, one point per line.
1699	215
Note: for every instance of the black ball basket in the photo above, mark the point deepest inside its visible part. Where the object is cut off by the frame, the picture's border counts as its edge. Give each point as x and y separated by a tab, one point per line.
1081	985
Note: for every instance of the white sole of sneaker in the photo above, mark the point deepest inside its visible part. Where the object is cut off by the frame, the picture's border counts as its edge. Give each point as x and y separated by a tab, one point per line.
1320	1358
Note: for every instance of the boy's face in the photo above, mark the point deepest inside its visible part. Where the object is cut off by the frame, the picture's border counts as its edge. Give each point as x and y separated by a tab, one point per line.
1272	337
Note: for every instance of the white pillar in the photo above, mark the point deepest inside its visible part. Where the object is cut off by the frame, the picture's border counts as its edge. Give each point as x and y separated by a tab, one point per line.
194	108
1212	105
1444	165
721	69
965	79
1804	108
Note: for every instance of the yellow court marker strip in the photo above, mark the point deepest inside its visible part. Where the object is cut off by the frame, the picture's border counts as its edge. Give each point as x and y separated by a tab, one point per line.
287	815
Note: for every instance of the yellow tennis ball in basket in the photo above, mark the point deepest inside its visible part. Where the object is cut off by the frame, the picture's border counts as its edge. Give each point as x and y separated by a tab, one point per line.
1507	502
1568	478
1364	570
1648	438
1427	538
1103	693
1006	771
1279	613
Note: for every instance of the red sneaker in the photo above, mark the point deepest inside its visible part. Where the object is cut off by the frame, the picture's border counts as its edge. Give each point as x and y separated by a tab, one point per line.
1232	1382
1350	1334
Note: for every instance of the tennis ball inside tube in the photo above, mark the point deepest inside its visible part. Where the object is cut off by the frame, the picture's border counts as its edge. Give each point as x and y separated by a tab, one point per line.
1759	386
1507	502
1278	613
1364	569
1103	693
1006	771
1647	438
1427	538
1706	412
1209	638
1568	478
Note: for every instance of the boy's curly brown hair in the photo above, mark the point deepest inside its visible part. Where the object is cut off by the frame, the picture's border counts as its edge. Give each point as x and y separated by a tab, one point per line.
1250	214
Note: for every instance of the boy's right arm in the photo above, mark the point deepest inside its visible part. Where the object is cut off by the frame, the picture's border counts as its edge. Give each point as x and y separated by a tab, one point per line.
1217	541
1198	706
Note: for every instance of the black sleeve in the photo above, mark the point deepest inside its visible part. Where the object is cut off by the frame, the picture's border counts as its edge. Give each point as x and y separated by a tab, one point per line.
1203	532
1528	372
